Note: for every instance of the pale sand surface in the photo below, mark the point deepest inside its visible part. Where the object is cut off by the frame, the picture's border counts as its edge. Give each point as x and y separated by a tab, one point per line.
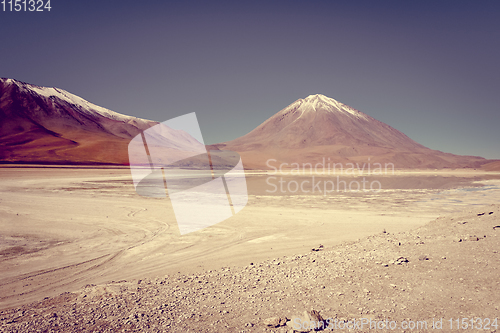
64	228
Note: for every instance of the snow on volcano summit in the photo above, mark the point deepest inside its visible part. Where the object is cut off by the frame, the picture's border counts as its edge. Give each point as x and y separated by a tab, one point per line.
319	101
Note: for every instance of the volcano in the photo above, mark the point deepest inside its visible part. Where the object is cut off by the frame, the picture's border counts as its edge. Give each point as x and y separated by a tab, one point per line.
318	127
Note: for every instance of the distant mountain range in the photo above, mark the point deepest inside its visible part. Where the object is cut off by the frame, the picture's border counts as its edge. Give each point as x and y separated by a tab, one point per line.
53	126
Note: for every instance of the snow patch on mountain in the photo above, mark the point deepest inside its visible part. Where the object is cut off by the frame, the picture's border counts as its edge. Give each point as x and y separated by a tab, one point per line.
313	102
72	99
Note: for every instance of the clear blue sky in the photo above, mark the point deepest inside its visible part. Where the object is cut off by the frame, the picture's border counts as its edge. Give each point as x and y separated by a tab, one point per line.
431	69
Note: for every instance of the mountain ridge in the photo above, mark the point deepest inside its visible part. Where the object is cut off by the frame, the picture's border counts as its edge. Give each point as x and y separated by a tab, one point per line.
50	125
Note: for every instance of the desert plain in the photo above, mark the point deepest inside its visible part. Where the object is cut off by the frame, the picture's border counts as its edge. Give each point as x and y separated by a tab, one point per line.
81	251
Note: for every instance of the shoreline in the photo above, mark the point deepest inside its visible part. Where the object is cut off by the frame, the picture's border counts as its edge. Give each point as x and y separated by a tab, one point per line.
101	230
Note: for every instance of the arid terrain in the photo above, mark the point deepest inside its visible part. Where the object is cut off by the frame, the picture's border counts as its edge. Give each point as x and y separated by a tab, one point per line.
81	251
249	166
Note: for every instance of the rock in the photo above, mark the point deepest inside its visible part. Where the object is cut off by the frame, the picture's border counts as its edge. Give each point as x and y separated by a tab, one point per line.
480	214
275	321
457	239
319	248
309	320
400	261
473	238
423	257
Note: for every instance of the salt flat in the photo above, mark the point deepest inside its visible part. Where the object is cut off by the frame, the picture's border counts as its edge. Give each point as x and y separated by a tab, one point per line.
64	227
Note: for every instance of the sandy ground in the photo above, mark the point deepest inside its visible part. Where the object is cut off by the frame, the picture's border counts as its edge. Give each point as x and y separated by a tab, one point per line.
65	228
442	277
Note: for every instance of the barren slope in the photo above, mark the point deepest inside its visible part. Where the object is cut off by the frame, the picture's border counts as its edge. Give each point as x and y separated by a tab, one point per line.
50	125
447	269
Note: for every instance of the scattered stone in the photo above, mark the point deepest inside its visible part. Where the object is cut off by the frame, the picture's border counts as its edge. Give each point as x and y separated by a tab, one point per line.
314	315
400	261
316	249
309	320
275	321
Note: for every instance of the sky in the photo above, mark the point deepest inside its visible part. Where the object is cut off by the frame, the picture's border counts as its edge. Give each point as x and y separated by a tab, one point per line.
430	69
